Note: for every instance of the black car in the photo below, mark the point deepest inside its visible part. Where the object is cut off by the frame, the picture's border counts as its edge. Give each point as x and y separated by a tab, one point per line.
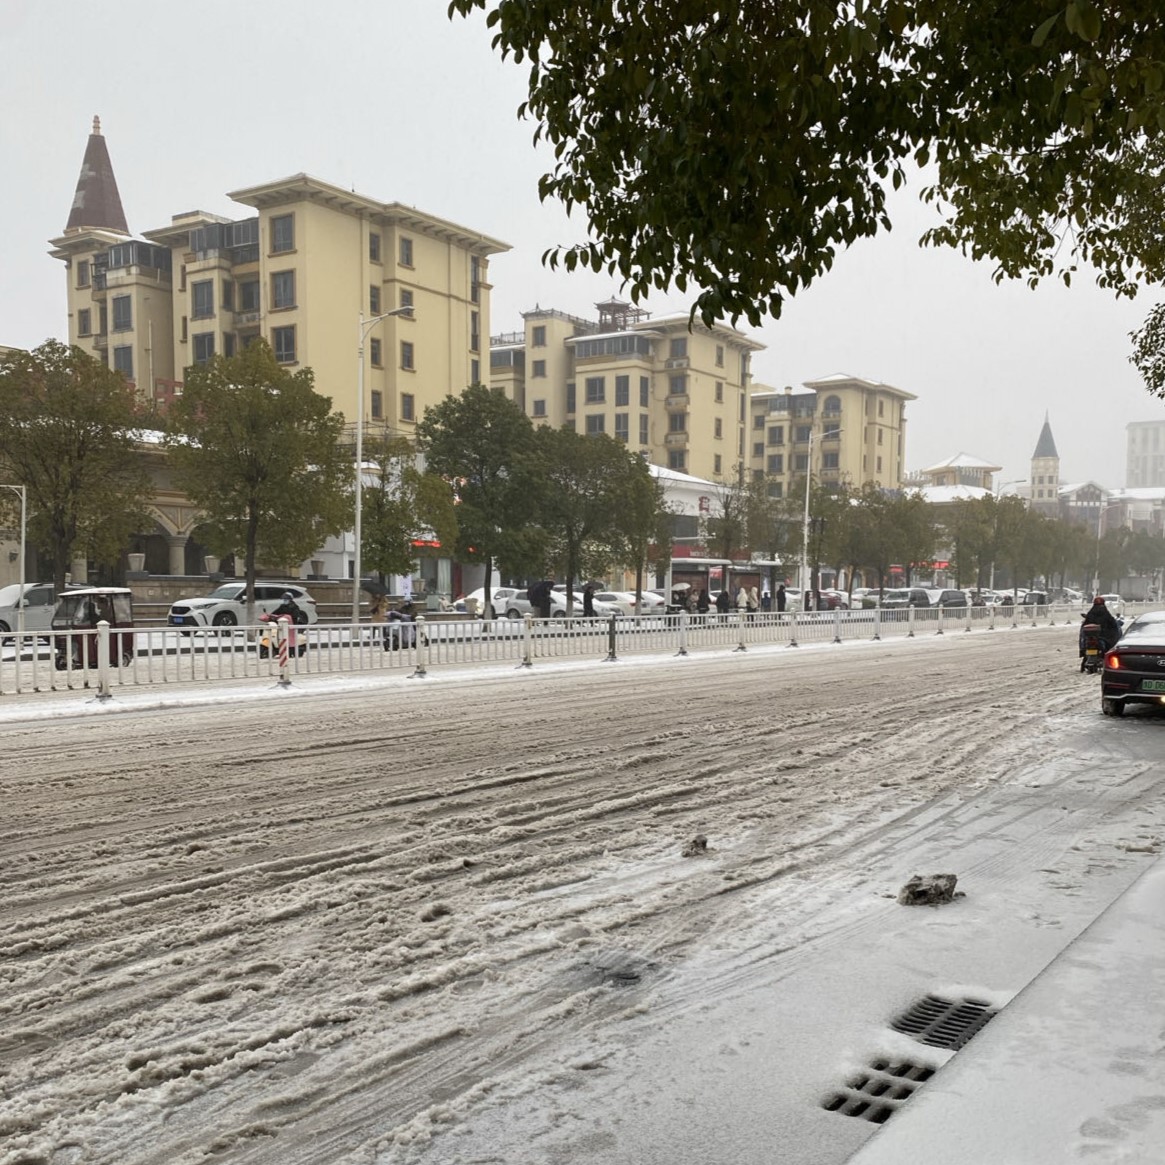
1134	670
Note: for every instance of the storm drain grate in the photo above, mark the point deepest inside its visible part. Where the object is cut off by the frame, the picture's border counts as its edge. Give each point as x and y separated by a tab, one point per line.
943	1023
876	1093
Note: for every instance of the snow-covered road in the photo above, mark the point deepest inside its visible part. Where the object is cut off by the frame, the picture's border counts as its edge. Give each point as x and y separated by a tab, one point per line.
452	922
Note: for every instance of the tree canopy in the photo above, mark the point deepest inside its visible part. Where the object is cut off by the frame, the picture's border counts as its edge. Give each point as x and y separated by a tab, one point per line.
738	147
68	434
257	449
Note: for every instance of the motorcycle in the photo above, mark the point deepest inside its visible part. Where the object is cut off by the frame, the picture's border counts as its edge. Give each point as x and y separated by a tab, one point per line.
267	641
1093	646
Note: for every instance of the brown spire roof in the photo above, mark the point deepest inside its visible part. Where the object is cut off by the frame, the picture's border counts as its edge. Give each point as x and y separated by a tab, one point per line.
97	203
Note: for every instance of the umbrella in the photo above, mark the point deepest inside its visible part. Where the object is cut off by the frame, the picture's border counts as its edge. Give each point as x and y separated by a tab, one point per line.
373	587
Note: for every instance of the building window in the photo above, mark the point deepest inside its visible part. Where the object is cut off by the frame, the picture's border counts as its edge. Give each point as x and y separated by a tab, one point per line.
677	348
758	449
123	361
474	278
377	405
406	356
832	406
622	391
716	463
538	336
475	372
719	355
677	422
879	469
282	233
623	427
644	392
202	299
643	430
539	369
677	459
776	489
374	352
776	463
249	295
596	423
406	251
829	461
374	300
406	299
83	322
570	398
776	435
83	277
540	408
881	407
718	429
802	433
282	289
879	436
758	422
408	407
596	389
677	385
228	344
373	247
283	341
720	392
122	313
203	347
831	430
474	332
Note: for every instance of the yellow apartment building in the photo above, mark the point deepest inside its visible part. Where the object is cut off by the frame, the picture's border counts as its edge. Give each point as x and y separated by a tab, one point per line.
299	270
678	395
843	429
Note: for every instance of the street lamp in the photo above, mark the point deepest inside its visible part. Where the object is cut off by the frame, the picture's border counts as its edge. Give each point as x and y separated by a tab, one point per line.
1105	507
995	494
365	326
22	490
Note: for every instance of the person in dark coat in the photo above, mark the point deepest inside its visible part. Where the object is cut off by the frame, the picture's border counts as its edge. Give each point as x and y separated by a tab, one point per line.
589	601
782	598
1102	617
724	601
703	601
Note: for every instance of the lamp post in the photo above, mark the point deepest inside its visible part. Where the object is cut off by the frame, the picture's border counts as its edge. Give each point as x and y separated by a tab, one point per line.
1105	507
22	490
365	326
995	494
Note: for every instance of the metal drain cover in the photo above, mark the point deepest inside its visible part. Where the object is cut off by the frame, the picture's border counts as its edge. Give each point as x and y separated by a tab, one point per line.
876	1093
944	1023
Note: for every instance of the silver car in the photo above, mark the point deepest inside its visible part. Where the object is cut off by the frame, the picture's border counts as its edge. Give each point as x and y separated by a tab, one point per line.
37	602
226	605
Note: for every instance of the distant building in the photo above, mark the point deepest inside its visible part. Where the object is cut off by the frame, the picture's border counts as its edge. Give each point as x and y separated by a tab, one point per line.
672	391
1044	487
957	478
1145	461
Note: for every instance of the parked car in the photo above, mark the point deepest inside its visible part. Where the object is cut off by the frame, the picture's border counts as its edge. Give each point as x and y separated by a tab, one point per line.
947	597
518	604
501	596
831	600
652	603
902	597
37	600
1034	599
226	605
1134	670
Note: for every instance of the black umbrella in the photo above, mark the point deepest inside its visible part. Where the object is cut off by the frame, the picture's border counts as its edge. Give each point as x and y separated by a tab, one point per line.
373	587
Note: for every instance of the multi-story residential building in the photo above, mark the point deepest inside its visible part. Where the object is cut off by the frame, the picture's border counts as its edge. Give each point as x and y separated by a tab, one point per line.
674	392
1145	463
298	271
844	429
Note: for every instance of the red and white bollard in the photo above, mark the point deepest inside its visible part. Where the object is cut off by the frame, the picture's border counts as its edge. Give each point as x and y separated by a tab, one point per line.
282	624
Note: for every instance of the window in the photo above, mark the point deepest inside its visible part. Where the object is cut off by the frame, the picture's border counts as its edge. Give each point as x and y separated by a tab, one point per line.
475	372
776	489
831	430
228	295
408	407
123	361
643	431
776	435
282	289
677	385
539	369
203	347
801	462
84	326
474	332
249	295
644	392
677	348
622	391
596	387
758	449
720	392
879	436
677	422
538	336
373	247
374	353
474	278
719	355
374	300
406	251
406	299
829	461
776	463
228	344
832	406
202	299
540	408
879	469
283	341
596	423
623	427
282	233
122	313
718	429
406	356
677	459
881	405
758	422
716	463
570	401
83	277
377	405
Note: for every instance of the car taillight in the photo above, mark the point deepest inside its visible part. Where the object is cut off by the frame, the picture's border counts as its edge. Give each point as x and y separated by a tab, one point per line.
1112	660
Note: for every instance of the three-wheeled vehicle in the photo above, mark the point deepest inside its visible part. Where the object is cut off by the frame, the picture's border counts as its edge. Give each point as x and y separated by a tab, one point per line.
79	610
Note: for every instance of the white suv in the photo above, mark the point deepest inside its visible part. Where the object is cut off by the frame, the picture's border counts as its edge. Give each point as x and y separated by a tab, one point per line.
39	602
226	606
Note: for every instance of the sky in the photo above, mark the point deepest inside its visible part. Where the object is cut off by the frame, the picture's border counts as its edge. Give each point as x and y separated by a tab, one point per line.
393	99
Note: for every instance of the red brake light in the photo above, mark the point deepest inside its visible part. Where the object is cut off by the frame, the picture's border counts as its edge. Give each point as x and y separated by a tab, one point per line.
1112	660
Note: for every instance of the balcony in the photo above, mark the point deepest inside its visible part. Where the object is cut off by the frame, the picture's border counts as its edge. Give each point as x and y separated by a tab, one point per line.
101	340
677	400
247	319
673	439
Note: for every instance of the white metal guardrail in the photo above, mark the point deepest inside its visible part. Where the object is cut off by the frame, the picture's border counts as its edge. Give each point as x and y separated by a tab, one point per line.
104	660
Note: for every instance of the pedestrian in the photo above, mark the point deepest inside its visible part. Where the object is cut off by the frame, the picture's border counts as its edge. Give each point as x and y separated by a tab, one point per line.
377	612
782	598
752	603
766	602
703	601
742	599
723	601
589	601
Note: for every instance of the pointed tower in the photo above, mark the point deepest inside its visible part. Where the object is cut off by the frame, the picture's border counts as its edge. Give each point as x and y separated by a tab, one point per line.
97	203
1045	473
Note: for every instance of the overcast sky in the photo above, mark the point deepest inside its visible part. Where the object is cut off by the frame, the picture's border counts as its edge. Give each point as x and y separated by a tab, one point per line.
391	98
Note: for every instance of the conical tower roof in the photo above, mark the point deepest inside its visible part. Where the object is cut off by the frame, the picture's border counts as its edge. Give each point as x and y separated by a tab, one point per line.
1045	446
97	203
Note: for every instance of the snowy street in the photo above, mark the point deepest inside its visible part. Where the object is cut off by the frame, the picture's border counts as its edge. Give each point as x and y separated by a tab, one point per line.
452	920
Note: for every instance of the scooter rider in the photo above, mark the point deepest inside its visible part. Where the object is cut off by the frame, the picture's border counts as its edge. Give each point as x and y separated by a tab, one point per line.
1100	616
